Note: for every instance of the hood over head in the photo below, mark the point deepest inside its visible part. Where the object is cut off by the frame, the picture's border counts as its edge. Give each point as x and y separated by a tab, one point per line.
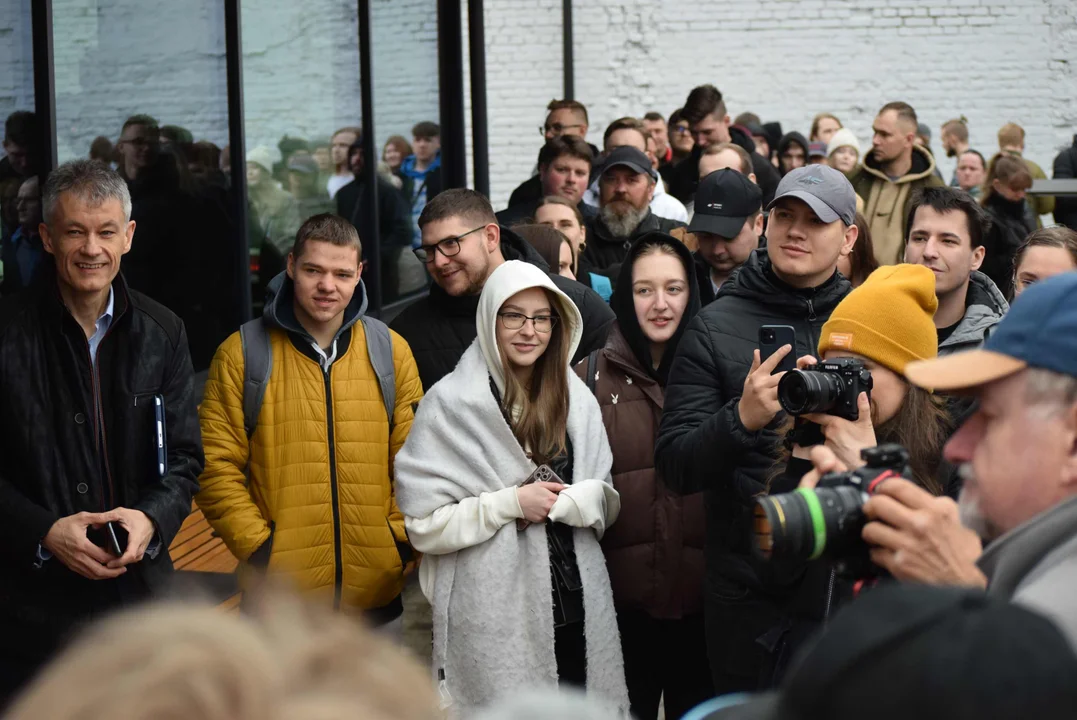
279	312
624	307
512	277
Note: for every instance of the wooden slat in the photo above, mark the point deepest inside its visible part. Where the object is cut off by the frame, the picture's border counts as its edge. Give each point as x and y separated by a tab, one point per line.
195	547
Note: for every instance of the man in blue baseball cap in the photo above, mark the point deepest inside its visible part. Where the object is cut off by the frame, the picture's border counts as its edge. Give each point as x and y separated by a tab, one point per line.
1018	459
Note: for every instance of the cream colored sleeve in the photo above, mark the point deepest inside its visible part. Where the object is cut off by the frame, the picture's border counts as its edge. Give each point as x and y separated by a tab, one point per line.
588	503
470	522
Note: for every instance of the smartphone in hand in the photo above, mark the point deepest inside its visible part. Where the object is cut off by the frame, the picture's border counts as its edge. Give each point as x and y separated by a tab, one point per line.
117	538
771	339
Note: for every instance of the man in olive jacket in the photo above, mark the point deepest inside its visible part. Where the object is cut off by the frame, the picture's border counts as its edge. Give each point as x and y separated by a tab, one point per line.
98	426
721	410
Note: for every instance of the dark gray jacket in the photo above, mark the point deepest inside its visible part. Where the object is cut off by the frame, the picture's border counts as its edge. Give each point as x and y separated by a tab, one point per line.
984	308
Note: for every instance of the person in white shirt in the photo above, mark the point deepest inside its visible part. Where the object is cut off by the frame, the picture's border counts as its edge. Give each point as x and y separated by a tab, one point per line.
338	150
513	568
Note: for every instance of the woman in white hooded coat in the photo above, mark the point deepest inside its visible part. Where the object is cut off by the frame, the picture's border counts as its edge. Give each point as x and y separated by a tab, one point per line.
513	569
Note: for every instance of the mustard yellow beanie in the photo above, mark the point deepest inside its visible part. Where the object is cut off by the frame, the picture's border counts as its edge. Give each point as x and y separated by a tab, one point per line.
888	319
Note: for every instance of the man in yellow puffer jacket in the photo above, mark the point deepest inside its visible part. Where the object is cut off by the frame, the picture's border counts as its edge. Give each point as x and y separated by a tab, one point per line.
319	507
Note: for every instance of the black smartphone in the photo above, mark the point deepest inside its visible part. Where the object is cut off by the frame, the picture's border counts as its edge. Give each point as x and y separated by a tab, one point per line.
771	339
117	538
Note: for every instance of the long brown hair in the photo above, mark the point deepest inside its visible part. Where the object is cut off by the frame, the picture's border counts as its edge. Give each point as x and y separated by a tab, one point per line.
921	426
814	134
862	261
538	413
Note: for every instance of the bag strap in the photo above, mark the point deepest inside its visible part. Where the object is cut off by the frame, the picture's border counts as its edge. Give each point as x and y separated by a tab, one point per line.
592	371
257	367
379	347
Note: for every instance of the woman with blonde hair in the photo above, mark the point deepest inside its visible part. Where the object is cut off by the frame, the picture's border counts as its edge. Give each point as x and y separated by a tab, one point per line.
505	486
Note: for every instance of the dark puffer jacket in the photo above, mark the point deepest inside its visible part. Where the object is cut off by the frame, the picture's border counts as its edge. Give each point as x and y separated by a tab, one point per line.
702	444
654	551
1010	225
440	327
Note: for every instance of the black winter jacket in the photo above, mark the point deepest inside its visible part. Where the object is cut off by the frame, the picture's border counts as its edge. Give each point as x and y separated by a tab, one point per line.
604	253
702	444
1010	225
1065	167
55	410
440	327
685	176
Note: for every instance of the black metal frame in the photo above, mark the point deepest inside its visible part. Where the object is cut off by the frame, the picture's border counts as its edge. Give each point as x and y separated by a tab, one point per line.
44	85
567	53
368	198
451	94
476	33
237	144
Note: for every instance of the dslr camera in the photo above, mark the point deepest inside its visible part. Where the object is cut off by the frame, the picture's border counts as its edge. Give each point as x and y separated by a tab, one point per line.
825	522
829	387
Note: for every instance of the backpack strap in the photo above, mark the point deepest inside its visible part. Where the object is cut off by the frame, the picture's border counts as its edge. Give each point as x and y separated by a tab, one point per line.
592	371
257	367
379	347
602	285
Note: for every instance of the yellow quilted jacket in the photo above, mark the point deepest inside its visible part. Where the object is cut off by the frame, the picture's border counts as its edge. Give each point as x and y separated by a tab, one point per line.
320	495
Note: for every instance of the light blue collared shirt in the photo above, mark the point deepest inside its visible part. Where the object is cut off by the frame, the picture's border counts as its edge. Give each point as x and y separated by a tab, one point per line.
102	326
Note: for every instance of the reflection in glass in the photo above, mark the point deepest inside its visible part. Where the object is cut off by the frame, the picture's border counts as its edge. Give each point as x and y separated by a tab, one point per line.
157	111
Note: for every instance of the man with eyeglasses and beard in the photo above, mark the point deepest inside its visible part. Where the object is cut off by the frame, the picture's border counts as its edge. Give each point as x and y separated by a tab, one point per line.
462	244
626	187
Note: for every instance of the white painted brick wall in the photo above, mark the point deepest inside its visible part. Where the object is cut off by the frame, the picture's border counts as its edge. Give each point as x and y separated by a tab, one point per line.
16	58
992	60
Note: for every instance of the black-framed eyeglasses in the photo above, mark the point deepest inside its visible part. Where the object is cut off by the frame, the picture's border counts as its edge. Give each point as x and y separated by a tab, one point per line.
515	321
557	128
448	247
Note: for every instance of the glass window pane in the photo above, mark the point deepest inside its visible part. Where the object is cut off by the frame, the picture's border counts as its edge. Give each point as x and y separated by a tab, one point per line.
18	159
404	52
149	81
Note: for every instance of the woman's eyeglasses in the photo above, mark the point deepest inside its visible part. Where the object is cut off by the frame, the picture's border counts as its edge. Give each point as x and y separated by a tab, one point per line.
515	321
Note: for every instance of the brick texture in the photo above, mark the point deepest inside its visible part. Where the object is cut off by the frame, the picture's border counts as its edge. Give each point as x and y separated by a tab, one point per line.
994	61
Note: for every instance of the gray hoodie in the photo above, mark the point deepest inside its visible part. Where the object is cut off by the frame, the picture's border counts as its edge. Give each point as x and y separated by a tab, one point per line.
1035	565
984	307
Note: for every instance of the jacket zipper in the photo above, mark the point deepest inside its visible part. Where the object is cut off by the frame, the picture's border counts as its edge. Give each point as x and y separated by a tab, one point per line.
829	596
339	568
100	437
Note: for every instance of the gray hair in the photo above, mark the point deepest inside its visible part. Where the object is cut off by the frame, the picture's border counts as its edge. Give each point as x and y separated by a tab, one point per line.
1049	389
91	180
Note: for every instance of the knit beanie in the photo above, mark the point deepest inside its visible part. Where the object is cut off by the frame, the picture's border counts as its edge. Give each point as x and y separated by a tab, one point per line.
261	155
842	138
888	319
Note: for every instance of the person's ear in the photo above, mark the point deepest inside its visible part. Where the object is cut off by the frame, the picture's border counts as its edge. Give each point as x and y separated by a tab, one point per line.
852	232
650	191
727	121
758	229
752	179
291	266
46	238
129	236
493	237
978	257
1068	425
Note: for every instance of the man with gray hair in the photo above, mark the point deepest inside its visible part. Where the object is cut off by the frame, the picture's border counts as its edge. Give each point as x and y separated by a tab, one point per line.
98	428
1018	459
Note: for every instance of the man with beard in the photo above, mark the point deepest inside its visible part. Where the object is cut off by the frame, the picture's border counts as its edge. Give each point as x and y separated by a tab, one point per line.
955	141
626	187
1018	458
564	171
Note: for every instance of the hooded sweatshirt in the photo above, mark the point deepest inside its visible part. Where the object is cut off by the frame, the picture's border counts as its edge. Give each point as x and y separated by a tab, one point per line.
985	306
886	200
787	140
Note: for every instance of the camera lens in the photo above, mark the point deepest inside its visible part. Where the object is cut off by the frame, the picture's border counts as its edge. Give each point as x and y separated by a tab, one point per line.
767	336
809	391
805	524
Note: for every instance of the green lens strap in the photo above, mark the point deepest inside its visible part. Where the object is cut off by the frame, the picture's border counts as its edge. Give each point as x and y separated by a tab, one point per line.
817	522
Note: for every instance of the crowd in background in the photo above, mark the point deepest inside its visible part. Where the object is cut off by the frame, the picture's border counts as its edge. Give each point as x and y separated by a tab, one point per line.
551	467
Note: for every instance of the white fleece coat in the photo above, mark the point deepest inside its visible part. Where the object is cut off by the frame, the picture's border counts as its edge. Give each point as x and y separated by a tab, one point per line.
489	584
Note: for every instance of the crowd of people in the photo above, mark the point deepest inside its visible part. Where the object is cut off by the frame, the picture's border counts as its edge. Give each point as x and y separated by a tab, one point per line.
718	421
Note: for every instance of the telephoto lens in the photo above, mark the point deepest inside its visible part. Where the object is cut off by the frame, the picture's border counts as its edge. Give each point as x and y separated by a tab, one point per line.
826	521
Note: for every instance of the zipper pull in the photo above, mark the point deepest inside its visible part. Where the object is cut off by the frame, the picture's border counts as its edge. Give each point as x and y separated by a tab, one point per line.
811	310
444	696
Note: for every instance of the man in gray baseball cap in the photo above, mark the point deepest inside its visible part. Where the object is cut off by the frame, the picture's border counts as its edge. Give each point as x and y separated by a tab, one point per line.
721	416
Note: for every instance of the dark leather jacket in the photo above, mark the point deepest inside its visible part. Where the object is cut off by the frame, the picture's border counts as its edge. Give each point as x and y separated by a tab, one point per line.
76	439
